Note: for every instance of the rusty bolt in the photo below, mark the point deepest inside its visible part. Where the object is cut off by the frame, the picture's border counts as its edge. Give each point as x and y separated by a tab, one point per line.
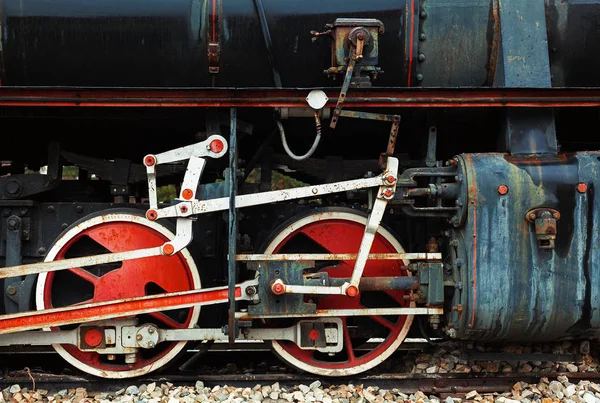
556	216
250	291
111	357
582	188
149	161
11	290
151	330
360	36
458	308
532	216
502	189
151	215
183	209
139	337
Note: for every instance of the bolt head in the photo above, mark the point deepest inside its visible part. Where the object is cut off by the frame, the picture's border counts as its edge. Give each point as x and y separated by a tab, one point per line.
582	187
532	216
503	189
352	291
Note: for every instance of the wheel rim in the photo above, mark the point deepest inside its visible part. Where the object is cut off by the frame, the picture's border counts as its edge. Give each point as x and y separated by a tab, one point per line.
117	232
341	232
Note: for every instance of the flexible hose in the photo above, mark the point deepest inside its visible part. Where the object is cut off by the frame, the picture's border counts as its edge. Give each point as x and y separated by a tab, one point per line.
312	149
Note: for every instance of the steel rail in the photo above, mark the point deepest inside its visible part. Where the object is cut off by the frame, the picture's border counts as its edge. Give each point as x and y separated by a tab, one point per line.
296	97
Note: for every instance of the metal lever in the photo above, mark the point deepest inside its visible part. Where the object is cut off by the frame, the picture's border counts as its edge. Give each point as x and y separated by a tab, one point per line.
344	91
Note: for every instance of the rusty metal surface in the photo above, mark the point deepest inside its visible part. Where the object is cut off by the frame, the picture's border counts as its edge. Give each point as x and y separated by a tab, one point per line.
515	290
264	97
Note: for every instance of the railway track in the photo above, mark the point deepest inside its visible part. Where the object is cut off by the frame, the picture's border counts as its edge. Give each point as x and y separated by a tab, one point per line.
442	385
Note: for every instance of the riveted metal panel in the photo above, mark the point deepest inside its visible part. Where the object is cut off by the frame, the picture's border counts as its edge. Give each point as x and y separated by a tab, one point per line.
515	289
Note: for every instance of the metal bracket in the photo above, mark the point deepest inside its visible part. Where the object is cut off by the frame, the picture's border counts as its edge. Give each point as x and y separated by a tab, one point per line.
544	220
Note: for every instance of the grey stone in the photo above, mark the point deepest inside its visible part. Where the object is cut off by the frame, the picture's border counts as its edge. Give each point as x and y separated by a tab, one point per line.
572	368
570	390
132	390
314	385
14	389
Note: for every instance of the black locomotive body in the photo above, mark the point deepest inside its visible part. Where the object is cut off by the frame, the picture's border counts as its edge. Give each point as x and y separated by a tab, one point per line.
326	170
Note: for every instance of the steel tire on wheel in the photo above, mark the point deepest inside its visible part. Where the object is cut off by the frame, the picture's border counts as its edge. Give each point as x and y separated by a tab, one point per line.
120	230
340	231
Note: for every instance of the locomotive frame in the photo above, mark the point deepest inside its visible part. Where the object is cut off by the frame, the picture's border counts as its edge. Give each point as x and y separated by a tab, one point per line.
519	217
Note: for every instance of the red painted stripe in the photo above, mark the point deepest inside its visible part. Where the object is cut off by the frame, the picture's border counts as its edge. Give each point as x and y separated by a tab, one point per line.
474	203
411	39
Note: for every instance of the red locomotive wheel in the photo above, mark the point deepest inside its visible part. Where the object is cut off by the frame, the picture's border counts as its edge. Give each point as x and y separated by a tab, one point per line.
119	232
341	231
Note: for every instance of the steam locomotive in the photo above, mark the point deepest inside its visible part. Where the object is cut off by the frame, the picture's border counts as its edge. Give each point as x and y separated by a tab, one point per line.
328	176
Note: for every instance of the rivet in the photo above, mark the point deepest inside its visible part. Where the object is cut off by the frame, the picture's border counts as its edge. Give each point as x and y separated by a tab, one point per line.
582	188
419	77
503	189
421	57
422	36
423	14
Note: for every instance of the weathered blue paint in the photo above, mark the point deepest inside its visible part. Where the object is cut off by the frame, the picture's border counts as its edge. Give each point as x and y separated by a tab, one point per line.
514	290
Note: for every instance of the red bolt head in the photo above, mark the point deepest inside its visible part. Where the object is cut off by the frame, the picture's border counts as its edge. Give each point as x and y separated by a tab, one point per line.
93	337
168	249
149	160
151	215
503	189
388	193
183	209
278	289
187	194
216	146
391	179
582	188
352	291
313	334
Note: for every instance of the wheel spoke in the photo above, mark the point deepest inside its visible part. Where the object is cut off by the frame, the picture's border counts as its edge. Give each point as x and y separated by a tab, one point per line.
383	321
87	301
86	275
171	323
348	343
